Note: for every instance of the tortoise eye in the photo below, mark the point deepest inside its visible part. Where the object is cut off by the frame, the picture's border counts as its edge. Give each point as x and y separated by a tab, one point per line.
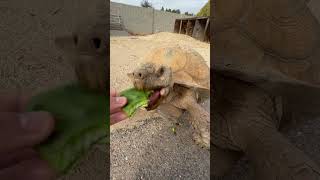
161	71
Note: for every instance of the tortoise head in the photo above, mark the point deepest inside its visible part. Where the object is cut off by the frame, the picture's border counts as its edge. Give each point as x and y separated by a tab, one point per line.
149	76
155	78
86	47
89	33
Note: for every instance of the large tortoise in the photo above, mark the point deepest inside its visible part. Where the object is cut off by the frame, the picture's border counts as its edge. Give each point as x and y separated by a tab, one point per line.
266	68
180	80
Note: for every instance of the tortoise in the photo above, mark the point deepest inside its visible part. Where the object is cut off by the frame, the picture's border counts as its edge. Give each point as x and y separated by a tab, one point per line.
266	66
179	79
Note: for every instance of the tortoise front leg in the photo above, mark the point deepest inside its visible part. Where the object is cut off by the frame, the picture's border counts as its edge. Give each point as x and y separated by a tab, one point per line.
223	161
274	157
250	118
199	118
200	121
255	123
169	112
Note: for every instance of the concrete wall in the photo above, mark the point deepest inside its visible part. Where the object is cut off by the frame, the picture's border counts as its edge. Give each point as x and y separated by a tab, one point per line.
144	20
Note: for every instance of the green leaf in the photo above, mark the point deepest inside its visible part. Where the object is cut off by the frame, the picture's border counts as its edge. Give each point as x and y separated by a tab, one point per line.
81	121
135	99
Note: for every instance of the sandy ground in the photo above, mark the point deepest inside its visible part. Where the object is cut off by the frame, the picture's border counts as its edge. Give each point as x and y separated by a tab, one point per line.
144	147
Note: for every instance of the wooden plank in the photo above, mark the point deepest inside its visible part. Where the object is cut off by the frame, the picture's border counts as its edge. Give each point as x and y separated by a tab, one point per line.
176	26
206	28
192	28
198	30
187	27
207	25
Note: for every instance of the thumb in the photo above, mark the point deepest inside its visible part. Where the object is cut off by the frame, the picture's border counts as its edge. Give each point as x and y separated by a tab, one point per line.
116	103
21	130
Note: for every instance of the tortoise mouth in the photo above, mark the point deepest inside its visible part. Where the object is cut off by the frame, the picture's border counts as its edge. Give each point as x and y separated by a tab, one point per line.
154	99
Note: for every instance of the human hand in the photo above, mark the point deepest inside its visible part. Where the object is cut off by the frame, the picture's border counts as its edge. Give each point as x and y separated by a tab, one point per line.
19	132
116	103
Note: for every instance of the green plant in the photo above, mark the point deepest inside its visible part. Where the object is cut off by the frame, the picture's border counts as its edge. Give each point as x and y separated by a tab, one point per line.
205	10
136	99
81	120
146	4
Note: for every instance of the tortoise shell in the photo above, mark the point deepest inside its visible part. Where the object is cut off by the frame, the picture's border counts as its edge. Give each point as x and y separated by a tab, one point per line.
188	66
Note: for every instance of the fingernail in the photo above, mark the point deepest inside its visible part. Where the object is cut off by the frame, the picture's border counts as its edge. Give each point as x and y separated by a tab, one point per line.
120	100
35	121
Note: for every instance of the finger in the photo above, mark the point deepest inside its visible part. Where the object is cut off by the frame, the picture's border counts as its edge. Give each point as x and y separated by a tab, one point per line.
35	169
15	157
116	110
116	103
117	117
13	101
113	93
21	130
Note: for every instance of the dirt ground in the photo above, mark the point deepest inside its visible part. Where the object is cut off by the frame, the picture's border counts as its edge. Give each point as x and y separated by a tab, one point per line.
144	147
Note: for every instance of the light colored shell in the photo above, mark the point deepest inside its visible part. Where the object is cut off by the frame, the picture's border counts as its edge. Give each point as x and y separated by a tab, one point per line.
188	66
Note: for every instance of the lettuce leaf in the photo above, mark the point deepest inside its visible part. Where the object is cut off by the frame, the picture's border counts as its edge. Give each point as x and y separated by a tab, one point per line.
81	120
135	99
